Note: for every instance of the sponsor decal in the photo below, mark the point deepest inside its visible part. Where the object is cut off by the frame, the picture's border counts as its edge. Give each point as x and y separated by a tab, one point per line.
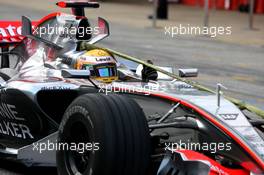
11	29
218	170
103	59
229	116
9	111
14	128
8	29
55	88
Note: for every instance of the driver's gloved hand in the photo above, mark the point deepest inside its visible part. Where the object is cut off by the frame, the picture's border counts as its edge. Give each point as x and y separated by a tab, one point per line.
148	73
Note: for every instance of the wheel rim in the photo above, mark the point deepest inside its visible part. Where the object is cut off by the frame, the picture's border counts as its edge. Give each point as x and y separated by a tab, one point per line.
78	161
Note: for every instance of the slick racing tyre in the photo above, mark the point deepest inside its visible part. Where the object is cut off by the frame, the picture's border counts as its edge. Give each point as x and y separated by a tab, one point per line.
117	130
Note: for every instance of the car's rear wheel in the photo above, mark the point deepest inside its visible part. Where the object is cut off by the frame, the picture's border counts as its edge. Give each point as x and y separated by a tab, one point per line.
114	124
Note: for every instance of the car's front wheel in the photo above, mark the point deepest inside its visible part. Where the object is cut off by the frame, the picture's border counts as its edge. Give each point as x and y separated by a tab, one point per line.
103	135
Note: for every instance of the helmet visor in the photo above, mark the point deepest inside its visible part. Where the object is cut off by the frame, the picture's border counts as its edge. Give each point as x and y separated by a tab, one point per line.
107	70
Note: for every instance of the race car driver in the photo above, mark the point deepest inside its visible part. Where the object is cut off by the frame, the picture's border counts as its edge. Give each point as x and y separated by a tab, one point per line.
101	64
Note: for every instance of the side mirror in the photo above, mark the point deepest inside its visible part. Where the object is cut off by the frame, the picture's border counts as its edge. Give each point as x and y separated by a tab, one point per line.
188	72
73	73
27	32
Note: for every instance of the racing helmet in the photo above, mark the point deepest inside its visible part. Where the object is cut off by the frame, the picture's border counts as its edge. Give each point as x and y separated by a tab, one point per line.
100	63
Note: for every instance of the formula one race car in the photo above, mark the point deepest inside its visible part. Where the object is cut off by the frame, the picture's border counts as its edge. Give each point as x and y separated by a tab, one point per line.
70	104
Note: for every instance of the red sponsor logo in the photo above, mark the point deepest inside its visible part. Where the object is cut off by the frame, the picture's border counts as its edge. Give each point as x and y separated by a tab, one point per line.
10	29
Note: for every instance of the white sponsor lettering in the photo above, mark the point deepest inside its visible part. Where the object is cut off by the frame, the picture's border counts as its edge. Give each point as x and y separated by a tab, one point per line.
3	33
15	130
10	31
9	111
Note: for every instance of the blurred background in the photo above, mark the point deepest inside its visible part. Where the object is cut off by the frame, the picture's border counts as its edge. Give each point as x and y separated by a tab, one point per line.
138	28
